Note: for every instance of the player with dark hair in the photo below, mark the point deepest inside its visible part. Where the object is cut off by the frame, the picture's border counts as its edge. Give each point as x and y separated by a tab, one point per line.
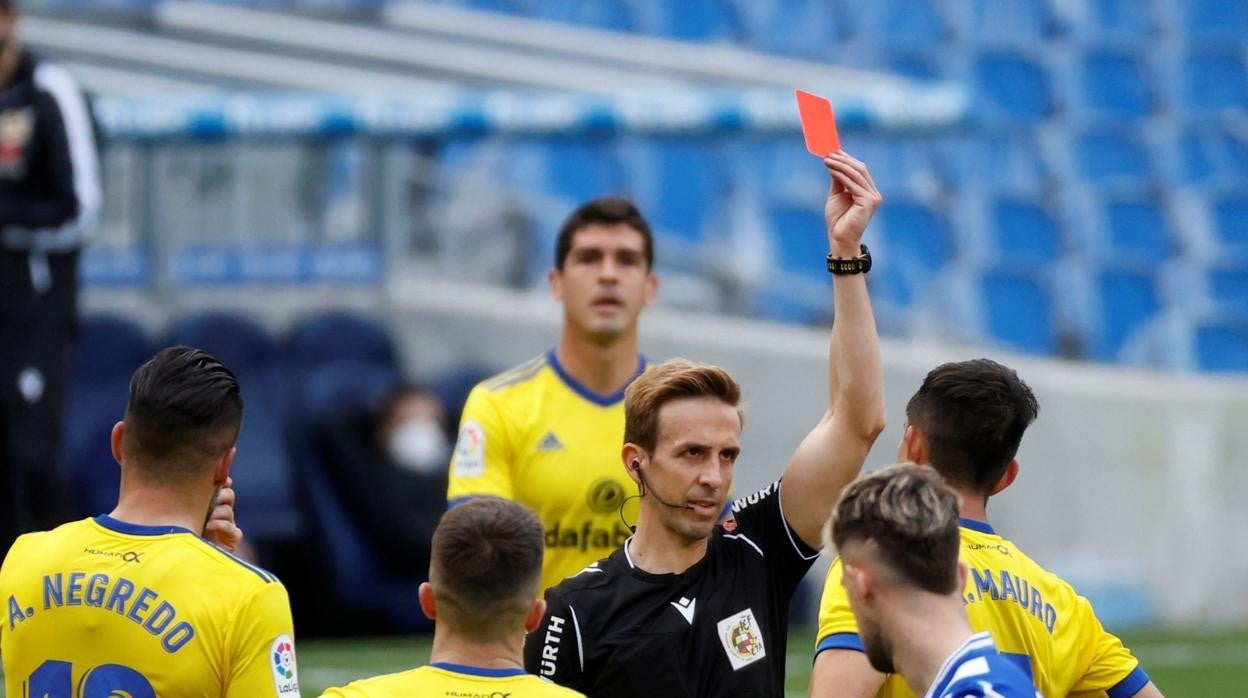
49	206
482	594
134	602
542	434
966	421
689	607
896	531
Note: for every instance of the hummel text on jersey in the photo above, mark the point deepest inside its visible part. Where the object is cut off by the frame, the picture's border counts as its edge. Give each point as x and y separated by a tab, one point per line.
550	650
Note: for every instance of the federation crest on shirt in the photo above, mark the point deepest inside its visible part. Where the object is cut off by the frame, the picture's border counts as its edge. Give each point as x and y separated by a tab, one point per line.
741	638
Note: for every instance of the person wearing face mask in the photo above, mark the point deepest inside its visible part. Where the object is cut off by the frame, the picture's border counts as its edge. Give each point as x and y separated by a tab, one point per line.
389	466
49	205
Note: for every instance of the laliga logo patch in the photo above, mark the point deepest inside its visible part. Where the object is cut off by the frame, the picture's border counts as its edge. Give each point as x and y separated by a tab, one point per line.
469	458
285	670
742	640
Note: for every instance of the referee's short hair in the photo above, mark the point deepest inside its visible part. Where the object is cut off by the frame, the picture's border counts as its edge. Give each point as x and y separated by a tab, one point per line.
185	411
606	210
972	415
673	380
486	567
911	516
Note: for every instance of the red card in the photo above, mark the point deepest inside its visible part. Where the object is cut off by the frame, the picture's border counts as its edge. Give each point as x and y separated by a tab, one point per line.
818	124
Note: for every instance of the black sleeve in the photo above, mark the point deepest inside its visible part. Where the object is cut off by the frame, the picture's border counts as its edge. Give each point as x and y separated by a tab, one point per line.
555	650
759	519
58	204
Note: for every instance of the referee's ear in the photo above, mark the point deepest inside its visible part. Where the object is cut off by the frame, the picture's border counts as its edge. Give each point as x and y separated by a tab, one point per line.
534	617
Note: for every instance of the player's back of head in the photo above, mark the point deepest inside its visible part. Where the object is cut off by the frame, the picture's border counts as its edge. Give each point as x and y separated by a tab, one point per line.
972	415
910	516
486	568
675	379
606	210
185	410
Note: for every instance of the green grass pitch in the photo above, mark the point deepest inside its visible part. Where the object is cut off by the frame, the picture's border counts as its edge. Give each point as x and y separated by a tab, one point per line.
1183	663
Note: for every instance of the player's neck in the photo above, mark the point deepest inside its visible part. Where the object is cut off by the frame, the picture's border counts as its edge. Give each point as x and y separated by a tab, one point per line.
656	550
162	505
974	506
925	631
603	368
452	649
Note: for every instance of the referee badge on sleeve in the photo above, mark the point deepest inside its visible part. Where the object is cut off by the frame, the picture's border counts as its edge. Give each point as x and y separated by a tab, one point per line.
742	639
469	457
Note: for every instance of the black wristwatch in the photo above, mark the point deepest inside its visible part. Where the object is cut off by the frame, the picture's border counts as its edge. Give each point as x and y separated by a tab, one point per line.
854	265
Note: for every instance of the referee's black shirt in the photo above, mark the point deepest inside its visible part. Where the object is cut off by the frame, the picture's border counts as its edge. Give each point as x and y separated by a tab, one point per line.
717	629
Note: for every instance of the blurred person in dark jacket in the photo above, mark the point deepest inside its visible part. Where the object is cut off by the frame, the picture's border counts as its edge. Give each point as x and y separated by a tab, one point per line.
389	466
49	204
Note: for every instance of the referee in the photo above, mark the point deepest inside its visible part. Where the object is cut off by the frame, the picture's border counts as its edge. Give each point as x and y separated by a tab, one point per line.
688	607
49	203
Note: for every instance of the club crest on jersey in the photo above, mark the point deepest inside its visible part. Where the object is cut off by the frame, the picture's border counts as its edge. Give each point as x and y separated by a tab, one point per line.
741	638
285	669
469	457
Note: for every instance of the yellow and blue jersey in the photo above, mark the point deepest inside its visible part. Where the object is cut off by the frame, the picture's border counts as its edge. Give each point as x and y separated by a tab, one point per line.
1035	617
101	607
445	679
536	436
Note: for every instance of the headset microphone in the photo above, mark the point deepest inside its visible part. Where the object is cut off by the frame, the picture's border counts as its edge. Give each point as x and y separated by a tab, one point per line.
645	485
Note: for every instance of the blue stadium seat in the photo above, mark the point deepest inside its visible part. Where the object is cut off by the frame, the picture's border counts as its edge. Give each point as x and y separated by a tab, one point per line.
899	23
1107	156
238	341
108	351
1017	309
916	235
1128	301
1214	82
1013	21
1115	84
579	169
694	20
992	161
350	566
678	182
338	336
1222	345
1010	86
1129	20
796	232
795	27
109	347
1227	285
615	15
1022	231
1137	230
1212	155
1230	225
1215	20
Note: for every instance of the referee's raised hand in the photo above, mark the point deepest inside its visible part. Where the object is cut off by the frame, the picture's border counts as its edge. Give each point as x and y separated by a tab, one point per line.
852	200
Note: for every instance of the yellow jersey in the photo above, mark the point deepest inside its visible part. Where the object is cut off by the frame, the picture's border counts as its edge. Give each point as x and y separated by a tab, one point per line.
445	680
1035	617
101	607
536	436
